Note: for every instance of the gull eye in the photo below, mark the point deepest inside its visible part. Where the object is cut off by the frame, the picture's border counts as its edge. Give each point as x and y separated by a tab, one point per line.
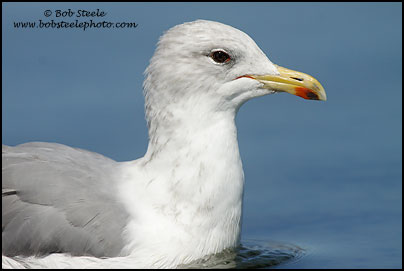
220	56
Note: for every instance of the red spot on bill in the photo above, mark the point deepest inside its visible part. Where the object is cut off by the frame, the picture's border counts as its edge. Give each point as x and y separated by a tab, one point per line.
306	93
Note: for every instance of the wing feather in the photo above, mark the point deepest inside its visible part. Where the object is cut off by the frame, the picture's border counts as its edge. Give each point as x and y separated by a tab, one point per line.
60	199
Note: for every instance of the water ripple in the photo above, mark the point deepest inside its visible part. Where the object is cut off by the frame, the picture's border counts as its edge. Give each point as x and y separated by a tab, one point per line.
251	254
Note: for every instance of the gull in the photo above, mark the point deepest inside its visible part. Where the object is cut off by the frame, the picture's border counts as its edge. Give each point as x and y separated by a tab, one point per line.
65	207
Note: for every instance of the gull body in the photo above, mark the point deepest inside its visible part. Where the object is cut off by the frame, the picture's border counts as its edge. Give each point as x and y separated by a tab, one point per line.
178	203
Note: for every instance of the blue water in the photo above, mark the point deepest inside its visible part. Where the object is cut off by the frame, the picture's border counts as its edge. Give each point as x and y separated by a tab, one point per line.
322	176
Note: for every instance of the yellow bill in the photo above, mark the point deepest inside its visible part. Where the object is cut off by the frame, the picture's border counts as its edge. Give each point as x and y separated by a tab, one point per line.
293	82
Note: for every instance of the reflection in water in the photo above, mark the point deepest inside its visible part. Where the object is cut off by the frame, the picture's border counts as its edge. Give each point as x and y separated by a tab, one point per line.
251	254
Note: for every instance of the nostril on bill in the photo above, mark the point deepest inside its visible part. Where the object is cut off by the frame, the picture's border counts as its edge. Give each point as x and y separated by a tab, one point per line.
298	79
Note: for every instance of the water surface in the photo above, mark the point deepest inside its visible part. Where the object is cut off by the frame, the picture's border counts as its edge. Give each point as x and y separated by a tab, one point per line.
251	254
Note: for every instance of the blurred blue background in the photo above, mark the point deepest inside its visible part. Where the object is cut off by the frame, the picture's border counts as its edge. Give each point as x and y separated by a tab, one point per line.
322	175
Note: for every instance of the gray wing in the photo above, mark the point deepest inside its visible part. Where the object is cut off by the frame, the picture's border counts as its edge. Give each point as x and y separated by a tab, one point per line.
59	199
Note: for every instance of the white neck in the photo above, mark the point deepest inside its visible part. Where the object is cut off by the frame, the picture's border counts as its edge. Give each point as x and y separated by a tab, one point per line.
193	178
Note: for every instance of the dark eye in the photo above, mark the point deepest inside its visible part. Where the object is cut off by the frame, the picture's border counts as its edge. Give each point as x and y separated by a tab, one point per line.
220	56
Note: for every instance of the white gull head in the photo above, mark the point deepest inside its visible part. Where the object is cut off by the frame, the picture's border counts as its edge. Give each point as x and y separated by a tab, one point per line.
196	66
